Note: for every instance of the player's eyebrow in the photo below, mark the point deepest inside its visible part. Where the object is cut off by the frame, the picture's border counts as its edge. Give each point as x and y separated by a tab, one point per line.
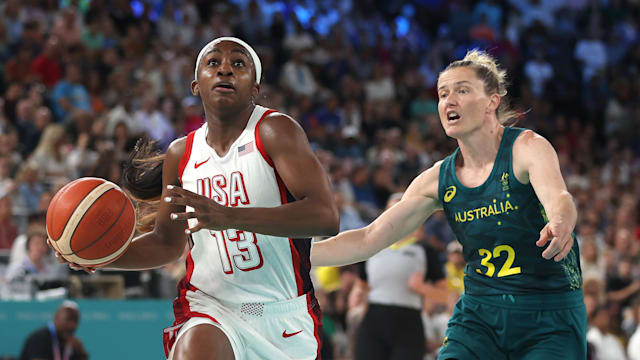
241	51
461	82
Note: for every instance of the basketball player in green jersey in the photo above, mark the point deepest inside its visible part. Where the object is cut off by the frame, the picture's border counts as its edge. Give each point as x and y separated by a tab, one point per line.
505	199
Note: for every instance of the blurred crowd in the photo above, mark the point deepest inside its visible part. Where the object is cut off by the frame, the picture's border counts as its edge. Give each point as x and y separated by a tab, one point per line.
82	80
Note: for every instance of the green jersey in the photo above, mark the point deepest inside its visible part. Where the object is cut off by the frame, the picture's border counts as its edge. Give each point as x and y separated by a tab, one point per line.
498	224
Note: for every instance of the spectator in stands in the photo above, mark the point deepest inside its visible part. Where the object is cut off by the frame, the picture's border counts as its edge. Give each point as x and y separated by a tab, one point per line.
592	54
68	27
36	266
606	345
51	155
154	123
8	229
56	340
297	76
46	66
70	94
633	347
454	267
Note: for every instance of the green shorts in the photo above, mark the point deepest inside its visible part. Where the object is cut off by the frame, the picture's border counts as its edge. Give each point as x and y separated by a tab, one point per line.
517	327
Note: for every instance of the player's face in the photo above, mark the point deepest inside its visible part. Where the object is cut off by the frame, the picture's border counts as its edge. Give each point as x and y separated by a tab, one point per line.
463	103
226	76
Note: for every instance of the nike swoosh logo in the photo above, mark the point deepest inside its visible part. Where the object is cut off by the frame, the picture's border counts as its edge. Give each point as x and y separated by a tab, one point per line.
285	335
197	165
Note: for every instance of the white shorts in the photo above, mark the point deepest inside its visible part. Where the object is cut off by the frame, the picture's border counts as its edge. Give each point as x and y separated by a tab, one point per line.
280	330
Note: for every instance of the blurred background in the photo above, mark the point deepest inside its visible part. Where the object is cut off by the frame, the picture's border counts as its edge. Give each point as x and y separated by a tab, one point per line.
82	80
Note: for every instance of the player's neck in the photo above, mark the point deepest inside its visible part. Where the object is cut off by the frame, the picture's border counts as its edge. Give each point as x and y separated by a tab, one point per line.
480	147
223	128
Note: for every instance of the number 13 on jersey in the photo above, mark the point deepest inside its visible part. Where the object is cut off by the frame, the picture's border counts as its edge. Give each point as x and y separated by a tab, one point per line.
239	248
506	268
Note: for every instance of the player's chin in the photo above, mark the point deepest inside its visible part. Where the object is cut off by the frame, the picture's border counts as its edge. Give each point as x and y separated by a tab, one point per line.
224	98
453	131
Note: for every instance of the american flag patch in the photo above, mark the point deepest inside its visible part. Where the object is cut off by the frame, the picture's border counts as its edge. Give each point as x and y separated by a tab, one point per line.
245	149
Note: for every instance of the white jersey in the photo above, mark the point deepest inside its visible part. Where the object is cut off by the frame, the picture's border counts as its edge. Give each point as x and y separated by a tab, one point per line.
241	266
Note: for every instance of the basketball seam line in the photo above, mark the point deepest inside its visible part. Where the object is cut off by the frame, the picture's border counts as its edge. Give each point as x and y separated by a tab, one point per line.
101	189
124	206
69	217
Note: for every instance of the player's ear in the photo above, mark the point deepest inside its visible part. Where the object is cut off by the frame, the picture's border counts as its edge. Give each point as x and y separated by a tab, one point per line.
195	88
255	91
494	102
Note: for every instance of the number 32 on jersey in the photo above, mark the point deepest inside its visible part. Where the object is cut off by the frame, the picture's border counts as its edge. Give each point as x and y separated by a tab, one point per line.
239	248
506	268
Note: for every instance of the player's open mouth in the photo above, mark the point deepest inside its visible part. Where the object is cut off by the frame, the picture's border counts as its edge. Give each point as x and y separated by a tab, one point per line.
224	87
452	116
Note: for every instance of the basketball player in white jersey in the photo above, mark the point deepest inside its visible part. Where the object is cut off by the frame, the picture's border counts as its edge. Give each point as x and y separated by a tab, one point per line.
249	191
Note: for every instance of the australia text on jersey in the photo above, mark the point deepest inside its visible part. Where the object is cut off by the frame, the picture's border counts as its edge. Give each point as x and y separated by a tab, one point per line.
496	208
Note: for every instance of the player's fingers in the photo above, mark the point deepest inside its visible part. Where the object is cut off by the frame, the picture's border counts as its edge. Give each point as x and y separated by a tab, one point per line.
178	200
553	249
568	245
545	236
59	257
562	254
199	226
179	191
183	216
76	267
556	246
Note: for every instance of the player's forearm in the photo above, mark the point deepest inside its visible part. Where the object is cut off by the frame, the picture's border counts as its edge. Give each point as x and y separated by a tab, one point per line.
563	209
301	218
343	249
354	246
149	251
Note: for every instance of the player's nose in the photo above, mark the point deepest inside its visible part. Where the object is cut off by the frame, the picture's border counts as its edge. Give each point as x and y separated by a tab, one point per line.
225	68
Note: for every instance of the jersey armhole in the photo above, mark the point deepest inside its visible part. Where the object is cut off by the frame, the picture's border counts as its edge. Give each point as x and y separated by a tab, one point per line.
259	144
186	155
511	159
442	173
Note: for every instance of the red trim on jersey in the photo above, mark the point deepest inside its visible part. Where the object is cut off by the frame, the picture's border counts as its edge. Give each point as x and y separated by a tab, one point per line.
190	265
316	324
181	309
282	188
186	155
295	256
259	145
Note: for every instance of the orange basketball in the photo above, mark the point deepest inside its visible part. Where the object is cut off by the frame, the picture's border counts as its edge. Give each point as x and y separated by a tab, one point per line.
90	221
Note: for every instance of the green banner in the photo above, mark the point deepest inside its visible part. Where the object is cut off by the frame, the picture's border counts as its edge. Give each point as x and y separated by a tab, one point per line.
109	329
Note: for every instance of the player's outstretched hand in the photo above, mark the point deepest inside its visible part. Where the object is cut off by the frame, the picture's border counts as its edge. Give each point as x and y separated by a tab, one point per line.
74	266
210	214
561	240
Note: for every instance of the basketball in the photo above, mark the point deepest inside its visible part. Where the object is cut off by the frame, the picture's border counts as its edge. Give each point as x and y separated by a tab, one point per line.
90	222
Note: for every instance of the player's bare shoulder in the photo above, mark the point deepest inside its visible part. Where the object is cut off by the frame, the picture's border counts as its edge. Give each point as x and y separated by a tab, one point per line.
275	125
177	147
426	184
528	148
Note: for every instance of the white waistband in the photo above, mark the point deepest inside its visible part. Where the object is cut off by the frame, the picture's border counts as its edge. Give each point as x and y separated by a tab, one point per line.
299	303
